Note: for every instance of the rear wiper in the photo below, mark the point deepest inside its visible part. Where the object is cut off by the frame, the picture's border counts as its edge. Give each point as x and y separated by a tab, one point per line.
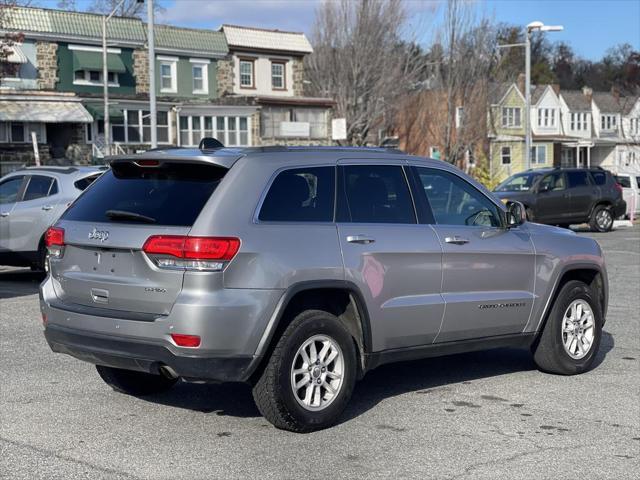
125	215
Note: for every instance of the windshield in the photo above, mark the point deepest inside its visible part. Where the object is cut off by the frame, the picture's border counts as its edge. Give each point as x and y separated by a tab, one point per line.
521	182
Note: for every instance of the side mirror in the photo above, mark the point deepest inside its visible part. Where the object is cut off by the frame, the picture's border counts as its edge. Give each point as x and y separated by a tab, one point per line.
516	214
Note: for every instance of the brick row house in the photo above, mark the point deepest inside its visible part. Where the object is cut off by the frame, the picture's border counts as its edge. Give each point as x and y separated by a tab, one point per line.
569	128
244	86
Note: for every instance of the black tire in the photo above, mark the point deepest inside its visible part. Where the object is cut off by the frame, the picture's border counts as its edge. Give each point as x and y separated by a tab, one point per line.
596	222
549	352
134	383
41	263
273	392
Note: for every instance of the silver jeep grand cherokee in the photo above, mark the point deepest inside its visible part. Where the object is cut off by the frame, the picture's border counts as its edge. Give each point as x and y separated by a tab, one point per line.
300	269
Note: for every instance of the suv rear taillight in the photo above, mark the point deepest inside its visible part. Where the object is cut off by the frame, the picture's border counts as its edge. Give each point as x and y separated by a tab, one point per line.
191	253
54	241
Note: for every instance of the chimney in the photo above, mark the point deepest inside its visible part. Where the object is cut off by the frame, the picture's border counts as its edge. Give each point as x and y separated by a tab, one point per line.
615	91
556	88
520	83
587	91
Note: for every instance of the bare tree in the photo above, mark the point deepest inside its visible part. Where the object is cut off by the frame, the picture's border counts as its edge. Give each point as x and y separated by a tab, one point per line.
362	59
129	8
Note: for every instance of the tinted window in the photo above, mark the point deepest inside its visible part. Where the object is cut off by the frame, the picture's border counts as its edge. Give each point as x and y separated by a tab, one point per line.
599	178
555	181
83	183
577	179
453	201
624	181
9	190
300	195
38	187
173	194
376	194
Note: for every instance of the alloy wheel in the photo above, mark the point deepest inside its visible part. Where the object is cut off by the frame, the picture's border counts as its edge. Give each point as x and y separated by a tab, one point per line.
317	372
578	329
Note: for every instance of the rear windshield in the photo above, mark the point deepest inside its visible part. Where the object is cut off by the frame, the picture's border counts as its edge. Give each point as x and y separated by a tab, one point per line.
173	195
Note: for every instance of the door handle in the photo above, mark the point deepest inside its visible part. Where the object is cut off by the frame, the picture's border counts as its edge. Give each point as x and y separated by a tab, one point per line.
456	240
4	214
360	239
47	208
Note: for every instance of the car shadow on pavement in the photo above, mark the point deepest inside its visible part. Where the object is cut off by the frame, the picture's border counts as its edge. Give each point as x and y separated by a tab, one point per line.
419	376
19	282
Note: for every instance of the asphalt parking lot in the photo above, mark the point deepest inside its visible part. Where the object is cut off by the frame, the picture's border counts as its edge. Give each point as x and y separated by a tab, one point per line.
481	415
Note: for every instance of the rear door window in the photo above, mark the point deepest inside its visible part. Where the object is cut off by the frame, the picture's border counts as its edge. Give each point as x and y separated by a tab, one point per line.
577	179
300	195
39	186
375	194
172	194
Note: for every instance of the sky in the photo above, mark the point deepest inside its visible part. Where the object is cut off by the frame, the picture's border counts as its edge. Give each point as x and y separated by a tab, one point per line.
590	26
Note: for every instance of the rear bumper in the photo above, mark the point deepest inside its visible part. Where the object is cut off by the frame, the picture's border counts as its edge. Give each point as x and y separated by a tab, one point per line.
143	357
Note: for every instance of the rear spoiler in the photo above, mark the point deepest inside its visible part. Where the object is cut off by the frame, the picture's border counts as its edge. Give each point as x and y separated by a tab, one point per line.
223	158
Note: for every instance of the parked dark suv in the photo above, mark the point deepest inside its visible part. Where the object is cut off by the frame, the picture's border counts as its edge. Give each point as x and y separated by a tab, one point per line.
565	196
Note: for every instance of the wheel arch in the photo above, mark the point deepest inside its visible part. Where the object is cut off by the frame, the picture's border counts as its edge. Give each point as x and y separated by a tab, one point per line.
338	297
591	274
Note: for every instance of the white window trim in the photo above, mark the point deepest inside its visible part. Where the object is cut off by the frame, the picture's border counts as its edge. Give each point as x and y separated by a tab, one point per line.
283	64
502	116
173	65
214	127
610	122
503	155
89	48
93	83
534	156
27	132
205	77
459	116
253	73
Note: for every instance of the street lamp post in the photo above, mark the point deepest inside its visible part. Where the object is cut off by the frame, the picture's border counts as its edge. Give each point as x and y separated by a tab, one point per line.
105	79
533	26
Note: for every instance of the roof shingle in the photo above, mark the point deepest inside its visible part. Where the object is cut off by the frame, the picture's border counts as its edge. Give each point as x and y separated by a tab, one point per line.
576	100
261	39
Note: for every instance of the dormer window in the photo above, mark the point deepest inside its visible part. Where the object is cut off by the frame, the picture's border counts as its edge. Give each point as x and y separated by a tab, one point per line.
578	121
546	117
608	122
511	117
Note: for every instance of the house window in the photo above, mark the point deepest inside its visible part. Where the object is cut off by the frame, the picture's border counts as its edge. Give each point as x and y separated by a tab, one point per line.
94	78
608	122
546	117
133	127
511	117
278	75
272	118
505	155
459	117
246	73
20	132
578	121
635	126
199	71
168	80
230	130
538	154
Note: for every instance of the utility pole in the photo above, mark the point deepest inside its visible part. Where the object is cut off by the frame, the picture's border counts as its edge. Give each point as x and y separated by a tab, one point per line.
527	100
152	77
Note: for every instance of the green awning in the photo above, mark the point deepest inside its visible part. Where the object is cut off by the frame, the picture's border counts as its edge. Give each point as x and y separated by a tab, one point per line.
97	112
93	61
